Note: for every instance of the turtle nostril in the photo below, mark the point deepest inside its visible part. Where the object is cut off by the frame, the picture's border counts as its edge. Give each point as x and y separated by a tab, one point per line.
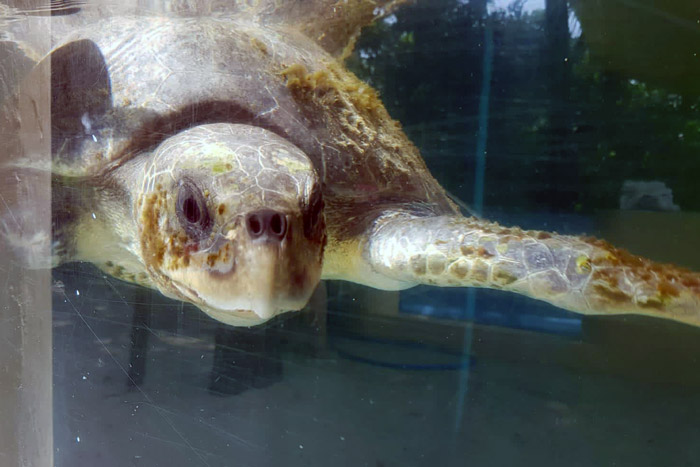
278	225
254	224
267	224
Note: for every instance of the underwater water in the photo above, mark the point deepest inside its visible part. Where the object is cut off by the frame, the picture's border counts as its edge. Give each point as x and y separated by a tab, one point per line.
527	117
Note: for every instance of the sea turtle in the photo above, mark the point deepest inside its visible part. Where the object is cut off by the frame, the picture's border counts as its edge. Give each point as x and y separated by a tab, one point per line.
231	161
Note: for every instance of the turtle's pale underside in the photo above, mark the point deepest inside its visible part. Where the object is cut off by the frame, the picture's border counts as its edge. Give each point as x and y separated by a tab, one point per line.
231	161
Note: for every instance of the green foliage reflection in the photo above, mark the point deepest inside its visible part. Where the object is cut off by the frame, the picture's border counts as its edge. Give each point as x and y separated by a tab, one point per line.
563	133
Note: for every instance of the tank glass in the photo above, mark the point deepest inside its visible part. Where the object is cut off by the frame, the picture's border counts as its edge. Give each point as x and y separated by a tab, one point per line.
578	117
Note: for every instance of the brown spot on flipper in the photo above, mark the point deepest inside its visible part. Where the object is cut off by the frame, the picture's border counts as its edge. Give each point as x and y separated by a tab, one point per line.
484	253
480	271
436	263
505	273
418	264
666	289
459	268
466	250
613	296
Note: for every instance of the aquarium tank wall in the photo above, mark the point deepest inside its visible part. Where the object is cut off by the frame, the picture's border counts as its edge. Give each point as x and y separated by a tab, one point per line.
568	118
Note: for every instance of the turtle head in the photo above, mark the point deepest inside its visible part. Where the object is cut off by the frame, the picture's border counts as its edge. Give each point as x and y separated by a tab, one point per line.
231	220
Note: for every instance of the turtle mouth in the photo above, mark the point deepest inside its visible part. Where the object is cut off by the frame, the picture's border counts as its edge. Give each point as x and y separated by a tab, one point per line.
239	317
246	285
241	312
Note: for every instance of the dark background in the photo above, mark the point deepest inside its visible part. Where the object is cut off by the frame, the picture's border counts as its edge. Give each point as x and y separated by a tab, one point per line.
567	123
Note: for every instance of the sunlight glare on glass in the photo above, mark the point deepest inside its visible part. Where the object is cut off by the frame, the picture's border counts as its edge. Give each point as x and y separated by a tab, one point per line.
528	5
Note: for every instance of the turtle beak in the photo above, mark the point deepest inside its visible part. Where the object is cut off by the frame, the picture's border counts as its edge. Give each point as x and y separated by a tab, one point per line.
267	231
264	278
252	280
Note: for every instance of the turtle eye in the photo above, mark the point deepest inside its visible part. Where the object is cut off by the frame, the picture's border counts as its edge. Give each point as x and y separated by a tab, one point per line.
192	210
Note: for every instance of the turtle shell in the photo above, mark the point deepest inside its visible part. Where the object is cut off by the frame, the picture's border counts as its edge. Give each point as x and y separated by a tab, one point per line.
123	85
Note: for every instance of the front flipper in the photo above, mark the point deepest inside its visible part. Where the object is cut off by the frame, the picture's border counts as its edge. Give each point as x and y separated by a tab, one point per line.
584	275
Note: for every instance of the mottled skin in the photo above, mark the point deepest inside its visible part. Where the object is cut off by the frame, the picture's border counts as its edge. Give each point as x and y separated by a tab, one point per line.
290	123
579	274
